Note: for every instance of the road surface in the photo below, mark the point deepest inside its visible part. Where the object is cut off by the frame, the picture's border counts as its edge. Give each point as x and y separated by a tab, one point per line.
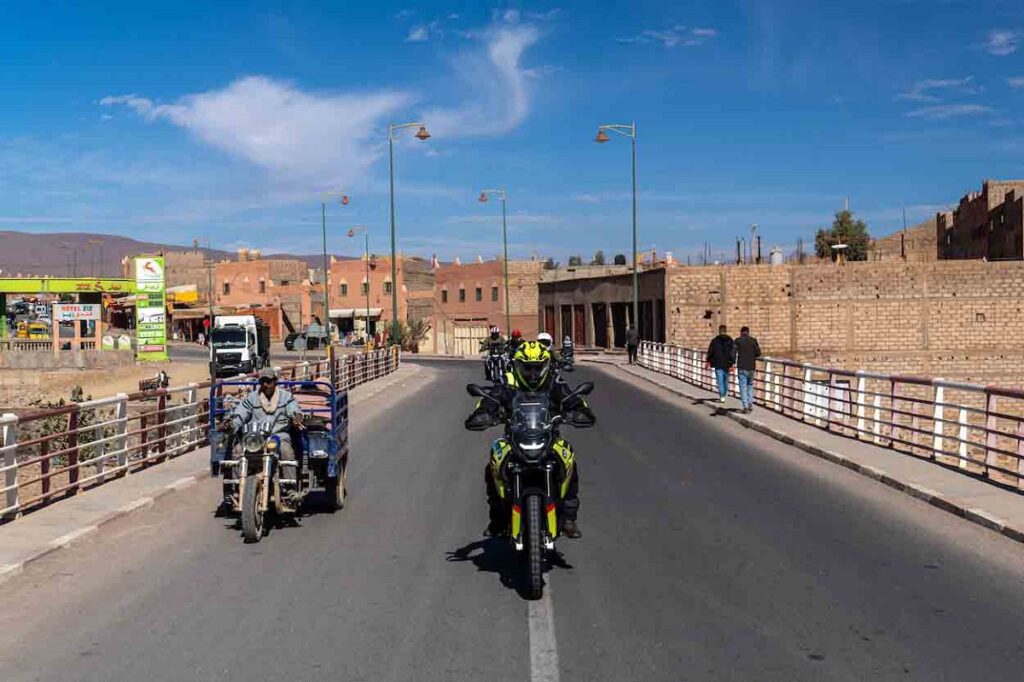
709	553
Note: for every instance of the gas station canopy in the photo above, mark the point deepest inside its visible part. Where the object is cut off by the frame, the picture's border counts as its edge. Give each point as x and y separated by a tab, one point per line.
65	285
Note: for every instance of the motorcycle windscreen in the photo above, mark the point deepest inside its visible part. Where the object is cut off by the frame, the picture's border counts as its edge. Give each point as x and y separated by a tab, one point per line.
530	425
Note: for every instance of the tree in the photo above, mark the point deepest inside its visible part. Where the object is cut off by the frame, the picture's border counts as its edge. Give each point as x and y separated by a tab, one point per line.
598	258
620	259
411	334
845	230
575	261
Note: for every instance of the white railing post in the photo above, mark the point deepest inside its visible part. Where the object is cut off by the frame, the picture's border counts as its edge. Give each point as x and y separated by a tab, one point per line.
861	405
9	461
876	426
938	414
806	405
121	431
962	436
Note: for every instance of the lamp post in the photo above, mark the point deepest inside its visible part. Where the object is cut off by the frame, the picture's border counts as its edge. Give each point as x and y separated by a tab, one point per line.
500	193
343	198
422	135
602	137
366	234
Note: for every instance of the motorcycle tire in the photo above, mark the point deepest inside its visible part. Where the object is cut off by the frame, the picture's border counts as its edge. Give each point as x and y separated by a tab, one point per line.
335	490
252	518
534	547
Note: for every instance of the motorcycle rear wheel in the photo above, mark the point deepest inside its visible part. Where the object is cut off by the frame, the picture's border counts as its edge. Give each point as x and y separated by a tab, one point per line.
252	517
534	547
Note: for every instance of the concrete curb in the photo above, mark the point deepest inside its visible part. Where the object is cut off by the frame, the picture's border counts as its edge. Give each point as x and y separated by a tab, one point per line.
938	500
74	537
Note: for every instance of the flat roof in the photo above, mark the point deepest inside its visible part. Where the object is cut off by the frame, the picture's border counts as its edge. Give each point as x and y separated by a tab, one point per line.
65	285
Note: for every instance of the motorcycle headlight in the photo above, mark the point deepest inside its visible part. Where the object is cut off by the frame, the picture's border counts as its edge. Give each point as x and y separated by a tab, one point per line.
253	442
532	447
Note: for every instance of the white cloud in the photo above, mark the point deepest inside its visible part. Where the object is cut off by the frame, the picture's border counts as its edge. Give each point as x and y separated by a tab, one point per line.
1017	83
493	72
1002	42
417	34
927	90
676	36
533	218
946	111
302	136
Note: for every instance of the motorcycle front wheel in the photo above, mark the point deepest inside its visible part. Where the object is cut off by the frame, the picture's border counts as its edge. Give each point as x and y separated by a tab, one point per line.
252	515
534	547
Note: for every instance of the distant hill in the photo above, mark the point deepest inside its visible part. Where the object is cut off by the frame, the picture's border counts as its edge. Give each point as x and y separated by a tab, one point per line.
919	244
88	254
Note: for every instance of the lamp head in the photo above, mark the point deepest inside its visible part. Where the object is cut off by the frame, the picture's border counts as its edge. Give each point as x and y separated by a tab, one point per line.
422	135
602	136
483	198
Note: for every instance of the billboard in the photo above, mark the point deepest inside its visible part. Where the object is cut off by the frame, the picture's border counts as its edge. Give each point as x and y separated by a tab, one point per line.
150	309
70	312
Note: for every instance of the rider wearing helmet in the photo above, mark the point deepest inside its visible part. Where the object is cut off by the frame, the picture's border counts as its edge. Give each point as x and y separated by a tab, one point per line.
514	341
495	344
532	371
545	340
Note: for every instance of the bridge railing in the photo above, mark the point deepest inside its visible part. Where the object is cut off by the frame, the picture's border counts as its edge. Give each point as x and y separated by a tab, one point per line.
50	454
974	428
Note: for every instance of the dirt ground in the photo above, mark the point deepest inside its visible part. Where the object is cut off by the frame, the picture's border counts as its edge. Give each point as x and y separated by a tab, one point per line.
28	388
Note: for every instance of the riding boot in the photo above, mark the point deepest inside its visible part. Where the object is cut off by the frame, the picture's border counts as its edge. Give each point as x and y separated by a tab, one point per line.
571	506
498	518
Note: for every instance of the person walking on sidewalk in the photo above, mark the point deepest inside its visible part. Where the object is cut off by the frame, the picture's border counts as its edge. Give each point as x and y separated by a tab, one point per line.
721	356
632	342
747	353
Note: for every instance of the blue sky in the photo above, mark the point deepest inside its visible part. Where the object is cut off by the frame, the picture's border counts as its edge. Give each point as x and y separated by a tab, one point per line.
169	124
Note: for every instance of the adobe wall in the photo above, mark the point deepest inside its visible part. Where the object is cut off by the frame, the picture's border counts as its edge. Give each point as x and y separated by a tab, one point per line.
956	319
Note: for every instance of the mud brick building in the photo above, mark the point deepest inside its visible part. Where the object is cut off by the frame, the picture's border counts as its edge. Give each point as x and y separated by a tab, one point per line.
988	224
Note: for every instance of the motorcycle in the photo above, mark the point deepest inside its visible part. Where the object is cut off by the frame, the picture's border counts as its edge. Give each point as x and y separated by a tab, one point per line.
568	355
256	482
495	366
532	465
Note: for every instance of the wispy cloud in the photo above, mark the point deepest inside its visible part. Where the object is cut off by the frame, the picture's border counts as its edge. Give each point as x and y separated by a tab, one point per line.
533	218
676	36
928	90
300	135
947	111
492	70
1017	83
1002	42
418	34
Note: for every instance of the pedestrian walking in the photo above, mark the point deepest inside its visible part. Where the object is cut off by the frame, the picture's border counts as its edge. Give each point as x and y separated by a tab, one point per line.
747	353
632	343
721	356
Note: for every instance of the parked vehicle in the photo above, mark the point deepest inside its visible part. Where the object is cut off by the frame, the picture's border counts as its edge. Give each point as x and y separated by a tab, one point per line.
239	344
255	484
532	458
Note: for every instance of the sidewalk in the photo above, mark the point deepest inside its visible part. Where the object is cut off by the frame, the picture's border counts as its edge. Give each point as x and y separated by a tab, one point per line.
987	505
68	521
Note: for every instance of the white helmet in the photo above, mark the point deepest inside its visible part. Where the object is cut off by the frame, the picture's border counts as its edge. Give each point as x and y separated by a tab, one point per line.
545	340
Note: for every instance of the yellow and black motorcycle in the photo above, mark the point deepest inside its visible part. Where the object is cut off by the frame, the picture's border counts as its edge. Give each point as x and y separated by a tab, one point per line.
532	466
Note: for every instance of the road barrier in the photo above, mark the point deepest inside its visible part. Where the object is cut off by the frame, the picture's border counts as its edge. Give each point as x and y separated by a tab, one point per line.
976	429
50	454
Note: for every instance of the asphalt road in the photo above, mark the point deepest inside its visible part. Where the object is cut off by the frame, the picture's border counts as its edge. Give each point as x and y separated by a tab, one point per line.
193	351
709	553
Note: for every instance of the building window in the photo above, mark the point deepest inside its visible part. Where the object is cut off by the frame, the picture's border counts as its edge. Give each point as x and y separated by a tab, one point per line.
444	295
494	294
387	287
462	295
366	288
344	289
479	294
285	282
226	289
263	286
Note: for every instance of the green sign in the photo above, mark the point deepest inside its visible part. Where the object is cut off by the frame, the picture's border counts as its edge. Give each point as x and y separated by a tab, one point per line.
150	310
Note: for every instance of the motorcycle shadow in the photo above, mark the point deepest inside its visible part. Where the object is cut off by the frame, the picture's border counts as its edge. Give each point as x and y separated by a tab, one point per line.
497	555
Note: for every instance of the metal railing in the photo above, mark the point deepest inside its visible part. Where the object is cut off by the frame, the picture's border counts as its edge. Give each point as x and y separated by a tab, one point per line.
50	454
974	428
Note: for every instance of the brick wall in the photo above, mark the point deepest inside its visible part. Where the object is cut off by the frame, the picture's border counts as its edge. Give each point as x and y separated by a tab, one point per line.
956	319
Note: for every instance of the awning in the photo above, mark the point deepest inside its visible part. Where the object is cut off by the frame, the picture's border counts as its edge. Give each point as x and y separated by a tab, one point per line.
344	313
190	313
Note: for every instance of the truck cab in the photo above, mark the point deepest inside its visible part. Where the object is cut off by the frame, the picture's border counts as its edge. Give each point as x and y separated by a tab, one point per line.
239	344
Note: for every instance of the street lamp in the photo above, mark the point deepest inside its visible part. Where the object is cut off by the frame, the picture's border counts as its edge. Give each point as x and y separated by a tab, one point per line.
602	137
352	233
422	135
343	199
500	193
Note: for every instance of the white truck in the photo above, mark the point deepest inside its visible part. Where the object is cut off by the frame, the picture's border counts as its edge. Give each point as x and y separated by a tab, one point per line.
239	344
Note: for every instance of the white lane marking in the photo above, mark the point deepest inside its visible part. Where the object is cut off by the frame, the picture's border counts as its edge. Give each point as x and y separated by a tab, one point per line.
543	650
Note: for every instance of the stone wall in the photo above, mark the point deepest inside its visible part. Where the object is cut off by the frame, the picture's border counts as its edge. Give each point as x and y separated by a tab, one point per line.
956	319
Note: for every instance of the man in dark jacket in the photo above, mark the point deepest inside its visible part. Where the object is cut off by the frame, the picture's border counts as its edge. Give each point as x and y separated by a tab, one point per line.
721	356
632	342
747	353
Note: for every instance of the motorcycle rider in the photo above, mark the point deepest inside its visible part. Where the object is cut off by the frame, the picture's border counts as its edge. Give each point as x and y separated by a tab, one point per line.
514	341
495	348
268	404
531	371
545	340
